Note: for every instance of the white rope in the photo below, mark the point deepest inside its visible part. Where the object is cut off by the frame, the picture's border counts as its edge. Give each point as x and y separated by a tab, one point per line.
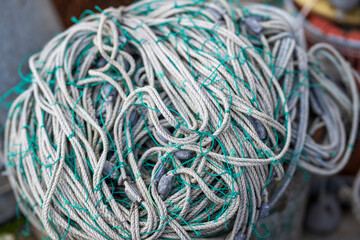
169	119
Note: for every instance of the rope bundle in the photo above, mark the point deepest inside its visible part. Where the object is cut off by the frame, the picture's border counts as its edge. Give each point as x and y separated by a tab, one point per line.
170	119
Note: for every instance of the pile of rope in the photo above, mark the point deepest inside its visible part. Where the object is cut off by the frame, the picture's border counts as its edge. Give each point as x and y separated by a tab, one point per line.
172	119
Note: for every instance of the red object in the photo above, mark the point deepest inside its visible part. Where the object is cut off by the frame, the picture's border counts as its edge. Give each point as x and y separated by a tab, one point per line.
320	23
336	31
353	35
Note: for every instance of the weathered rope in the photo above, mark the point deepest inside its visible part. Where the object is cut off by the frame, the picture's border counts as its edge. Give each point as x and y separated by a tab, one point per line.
170	119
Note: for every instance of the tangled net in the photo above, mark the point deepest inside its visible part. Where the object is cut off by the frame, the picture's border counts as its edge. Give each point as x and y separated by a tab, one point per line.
171	120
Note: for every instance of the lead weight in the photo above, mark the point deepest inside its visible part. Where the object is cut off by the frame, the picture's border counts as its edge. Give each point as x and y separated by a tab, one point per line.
109	170
260	130
240	236
134	117
122	39
253	24
101	62
162	138
264	210
184	154
109	90
216	14
259	127
132	193
165	185
161	171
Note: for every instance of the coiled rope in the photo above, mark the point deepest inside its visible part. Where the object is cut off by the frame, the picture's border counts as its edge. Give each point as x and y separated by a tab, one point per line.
170	120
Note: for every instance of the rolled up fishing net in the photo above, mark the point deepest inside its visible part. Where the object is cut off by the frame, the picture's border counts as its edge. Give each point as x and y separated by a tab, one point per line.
173	119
